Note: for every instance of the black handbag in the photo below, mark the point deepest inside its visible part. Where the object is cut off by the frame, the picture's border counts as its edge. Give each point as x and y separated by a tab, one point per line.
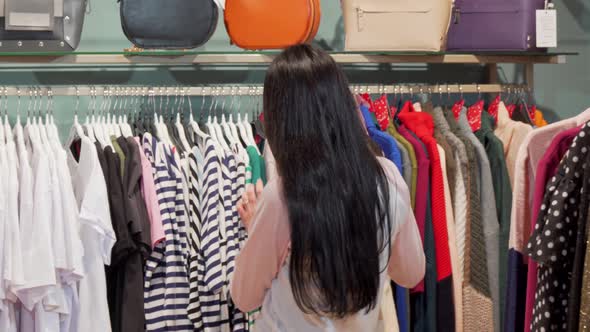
41	25
170	24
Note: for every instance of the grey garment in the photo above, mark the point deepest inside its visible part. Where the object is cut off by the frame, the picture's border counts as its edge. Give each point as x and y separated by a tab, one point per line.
406	170
476	267
489	217
458	147
461	209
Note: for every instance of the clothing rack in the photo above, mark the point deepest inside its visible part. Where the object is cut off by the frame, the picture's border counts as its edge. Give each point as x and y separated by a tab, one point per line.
244	90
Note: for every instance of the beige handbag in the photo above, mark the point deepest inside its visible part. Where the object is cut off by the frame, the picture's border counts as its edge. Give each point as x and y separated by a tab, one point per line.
396	25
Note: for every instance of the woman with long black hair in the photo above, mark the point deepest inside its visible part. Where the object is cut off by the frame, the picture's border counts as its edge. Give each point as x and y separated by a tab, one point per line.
335	223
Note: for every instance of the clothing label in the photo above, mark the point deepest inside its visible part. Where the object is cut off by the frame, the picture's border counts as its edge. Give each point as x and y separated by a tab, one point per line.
457	107
546	28
393	111
510	108
493	108
474	115
380	109
532	111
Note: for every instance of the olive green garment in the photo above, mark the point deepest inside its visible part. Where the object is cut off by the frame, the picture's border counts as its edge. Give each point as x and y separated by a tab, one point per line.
408	146
119	152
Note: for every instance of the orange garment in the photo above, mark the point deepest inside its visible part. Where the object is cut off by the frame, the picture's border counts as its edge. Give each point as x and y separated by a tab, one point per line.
539	120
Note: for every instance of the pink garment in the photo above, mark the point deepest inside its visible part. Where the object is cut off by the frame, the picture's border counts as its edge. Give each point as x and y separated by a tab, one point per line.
512	134
545	170
148	190
261	276
532	150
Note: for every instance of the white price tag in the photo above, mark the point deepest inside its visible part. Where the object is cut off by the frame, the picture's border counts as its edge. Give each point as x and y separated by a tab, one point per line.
546	28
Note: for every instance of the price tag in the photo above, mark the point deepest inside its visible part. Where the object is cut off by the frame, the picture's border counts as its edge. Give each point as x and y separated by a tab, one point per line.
546	28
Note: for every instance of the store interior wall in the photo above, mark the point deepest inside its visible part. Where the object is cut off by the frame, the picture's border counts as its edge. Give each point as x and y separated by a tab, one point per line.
560	90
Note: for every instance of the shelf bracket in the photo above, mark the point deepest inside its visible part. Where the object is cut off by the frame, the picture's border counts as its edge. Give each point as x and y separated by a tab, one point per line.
492	69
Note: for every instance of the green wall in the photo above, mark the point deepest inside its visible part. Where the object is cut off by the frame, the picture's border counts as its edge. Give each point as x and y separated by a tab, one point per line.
561	90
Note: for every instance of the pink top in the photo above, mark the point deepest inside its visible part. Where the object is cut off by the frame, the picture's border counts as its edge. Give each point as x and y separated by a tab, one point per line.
261	275
148	189
512	134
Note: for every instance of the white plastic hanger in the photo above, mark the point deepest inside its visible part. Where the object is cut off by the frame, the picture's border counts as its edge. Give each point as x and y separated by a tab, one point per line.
42	126
233	139
95	121
76	131
179	126
33	129
116	120
219	131
100	127
3	133
18	128
52	125
162	124
28	132
7	129
232	125
194	125
88	128
211	128
209	123
123	124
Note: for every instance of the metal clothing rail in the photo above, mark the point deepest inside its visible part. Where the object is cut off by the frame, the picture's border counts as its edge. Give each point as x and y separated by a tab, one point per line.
244	90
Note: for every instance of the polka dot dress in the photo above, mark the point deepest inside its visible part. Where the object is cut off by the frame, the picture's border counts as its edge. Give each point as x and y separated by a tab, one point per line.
552	243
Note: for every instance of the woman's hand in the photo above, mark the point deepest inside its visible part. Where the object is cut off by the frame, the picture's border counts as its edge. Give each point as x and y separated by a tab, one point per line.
247	205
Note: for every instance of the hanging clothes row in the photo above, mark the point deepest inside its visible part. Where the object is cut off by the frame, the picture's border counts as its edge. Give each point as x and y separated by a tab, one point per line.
132	227
548	280
459	163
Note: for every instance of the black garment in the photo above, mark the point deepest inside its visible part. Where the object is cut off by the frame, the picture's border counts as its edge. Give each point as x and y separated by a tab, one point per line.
554	241
573	313
137	215
125	274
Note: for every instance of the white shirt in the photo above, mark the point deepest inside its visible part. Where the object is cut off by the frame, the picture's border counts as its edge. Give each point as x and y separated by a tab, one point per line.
98	238
5	318
35	207
73	269
40	295
13	268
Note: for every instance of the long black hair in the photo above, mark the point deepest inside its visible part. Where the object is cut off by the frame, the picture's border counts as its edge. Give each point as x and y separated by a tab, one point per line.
335	189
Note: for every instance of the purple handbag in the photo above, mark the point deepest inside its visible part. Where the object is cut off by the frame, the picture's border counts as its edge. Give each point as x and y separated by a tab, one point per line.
493	25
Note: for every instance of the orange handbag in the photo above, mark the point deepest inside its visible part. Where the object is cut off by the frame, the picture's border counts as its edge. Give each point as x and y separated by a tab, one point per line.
271	24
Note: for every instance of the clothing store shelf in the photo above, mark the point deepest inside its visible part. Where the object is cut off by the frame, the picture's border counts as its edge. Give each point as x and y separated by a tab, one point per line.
174	58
